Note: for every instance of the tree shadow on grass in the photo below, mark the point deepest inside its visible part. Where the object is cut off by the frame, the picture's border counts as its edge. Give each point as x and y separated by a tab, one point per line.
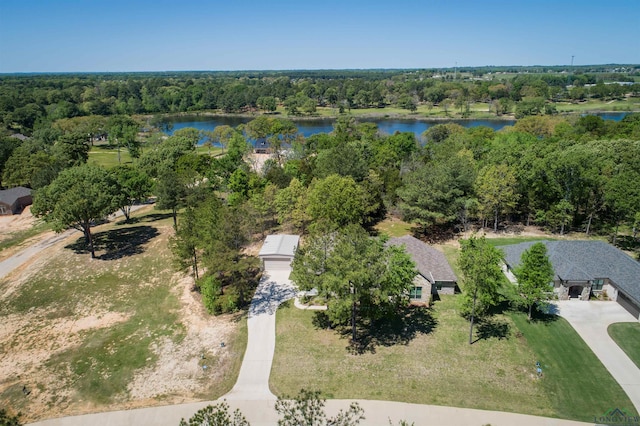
147	218
492	328
117	243
398	329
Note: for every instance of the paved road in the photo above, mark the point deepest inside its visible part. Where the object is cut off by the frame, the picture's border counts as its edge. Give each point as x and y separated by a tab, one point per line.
262	413
591	320
13	262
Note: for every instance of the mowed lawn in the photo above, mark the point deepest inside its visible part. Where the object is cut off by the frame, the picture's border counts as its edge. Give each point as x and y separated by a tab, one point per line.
439	367
627	336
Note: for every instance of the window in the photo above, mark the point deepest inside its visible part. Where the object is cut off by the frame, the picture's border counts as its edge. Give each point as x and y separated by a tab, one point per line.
597	284
416	293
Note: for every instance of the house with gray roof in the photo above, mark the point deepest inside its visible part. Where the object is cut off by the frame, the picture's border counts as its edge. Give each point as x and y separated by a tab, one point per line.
435	275
13	200
586	268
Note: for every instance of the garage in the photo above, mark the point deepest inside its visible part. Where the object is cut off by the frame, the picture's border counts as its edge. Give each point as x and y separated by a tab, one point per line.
628	304
278	251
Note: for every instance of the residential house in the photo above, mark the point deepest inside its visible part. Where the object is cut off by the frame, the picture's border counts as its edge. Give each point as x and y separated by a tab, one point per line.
435	275
13	200
587	268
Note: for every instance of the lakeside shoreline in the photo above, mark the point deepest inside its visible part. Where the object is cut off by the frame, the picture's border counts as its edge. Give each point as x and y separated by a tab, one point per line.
368	116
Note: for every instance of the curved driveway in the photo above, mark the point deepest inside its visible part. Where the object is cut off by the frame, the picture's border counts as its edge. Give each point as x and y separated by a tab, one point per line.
591	320
252	396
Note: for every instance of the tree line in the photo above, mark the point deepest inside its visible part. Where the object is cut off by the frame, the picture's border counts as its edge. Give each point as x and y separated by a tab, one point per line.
28	102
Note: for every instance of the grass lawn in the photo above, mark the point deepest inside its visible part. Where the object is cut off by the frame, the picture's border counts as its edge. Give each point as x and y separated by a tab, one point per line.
438	366
107	157
393	227
574	379
132	280
497	242
627	336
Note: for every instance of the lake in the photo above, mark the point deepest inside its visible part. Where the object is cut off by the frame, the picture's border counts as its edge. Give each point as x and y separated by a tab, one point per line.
389	126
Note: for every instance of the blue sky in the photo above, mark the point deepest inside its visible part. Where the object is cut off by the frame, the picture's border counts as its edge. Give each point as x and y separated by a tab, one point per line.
160	35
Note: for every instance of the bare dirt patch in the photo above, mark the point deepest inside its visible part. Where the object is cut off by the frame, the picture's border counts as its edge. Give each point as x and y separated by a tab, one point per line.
183	368
33	341
16	222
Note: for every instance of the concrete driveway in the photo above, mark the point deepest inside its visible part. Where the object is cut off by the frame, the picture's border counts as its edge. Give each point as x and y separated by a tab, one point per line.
253	380
591	320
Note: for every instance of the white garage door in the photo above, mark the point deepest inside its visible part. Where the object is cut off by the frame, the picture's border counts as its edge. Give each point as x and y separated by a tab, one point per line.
277	264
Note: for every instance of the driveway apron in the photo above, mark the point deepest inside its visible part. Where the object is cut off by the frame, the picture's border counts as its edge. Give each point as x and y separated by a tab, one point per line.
591	320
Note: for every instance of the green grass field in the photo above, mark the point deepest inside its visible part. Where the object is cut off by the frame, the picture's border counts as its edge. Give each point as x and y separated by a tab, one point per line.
575	380
107	157
627	336
434	364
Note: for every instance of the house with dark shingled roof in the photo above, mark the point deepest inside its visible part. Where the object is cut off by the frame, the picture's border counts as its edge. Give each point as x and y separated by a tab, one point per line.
586	268
435	275
14	200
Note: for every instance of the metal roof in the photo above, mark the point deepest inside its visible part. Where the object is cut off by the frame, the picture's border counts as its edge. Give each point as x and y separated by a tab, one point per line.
586	260
279	245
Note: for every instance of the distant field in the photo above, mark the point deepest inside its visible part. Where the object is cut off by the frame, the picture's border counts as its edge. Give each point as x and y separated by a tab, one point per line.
107	157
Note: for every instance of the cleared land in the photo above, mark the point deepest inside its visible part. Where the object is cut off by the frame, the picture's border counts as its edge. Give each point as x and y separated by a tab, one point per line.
434	364
119	331
627	336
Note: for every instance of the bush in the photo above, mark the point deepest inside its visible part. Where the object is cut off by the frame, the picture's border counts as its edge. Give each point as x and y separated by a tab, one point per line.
211	291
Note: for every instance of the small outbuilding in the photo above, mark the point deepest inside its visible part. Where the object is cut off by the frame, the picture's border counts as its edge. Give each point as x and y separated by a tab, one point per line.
278	251
13	200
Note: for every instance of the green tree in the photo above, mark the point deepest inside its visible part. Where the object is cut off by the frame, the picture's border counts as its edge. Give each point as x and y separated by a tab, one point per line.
291	205
497	191
360	276
133	186
534	274
71	149
336	199
186	241
437	192
480	264
307	409
267	103
216	415
77	198
122	131
171	193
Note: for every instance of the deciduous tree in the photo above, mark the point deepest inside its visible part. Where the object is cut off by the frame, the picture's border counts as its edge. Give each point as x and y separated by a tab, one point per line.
480	264
77	198
534	274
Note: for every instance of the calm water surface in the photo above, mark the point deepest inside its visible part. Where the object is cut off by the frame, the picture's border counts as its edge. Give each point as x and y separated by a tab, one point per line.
385	125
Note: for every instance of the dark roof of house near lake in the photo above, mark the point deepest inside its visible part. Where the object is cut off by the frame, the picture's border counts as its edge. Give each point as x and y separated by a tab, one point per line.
10	196
430	263
584	261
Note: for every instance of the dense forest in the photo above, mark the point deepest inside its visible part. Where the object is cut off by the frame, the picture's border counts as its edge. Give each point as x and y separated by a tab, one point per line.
564	173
